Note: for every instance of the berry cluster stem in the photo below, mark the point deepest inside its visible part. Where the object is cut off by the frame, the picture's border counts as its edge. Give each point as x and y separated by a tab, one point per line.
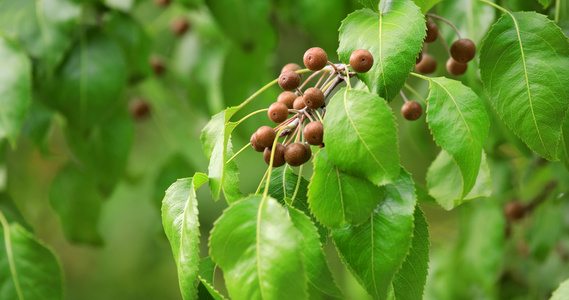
446	21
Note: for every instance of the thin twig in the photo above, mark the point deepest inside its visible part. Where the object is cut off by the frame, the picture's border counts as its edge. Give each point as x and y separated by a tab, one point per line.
446	21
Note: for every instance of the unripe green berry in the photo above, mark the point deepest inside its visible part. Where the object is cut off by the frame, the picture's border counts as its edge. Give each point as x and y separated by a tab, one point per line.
289	80
361	61
315	58
314	132
265	136
278	159
411	110
287	98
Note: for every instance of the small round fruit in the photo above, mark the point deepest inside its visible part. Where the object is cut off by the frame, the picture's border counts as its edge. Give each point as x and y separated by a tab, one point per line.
157	65
278	159
162	3
427	65
514	210
278	112
299	103
432	32
291	67
463	50
361	60
314	132
295	154
315	58
139	109
265	136
314	98
287	98
255	144
456	68
289	80
411	110
419	58
179	26
308	153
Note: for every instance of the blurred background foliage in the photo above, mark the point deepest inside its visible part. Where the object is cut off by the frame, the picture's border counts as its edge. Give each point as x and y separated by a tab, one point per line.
122	88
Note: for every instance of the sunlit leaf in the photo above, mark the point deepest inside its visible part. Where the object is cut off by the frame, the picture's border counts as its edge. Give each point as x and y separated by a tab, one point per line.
181	225
528	54
562	292
206	273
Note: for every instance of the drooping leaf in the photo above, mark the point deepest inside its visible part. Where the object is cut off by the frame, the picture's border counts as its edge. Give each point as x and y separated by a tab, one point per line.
394	36
336	197
366	123
471	18
88	84
459	123
44	28
76	200
257	247
38	124
181	225
444	182
562	292
28	268
426	5
321	284
231	189
206	273
410	280
375	250
15	88
545	3
528	54
12	213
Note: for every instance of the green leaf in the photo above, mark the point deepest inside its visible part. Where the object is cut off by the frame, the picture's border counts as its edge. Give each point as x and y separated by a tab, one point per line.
12	213
562	292
76	199
459	123
44	28
375	250
181	225
88	84
257	247
124	5
410	280
366	123
394	37
321	284
371	4
426	5
231	189
206	273
133	40
545	231
528	53
336	197
15	88
564	143
444	182
423	195
28	268
545	3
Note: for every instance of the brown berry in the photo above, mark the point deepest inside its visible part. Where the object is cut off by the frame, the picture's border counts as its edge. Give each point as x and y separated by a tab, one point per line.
411	110
255	144
456	68
162	3
419	57
308	153
179	26
157	65
314	98
278	112
278	159
361	60
295	154
299	103
315	58
432	32
314	132
291	67
265	136
289	80
427	65
287	98
139	109
514	210
463	50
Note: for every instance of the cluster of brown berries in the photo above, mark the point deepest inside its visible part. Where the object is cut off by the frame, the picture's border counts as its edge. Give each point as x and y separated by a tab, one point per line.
304	106
460	53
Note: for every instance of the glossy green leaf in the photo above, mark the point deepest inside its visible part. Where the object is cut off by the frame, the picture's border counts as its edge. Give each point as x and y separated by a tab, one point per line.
410	280
181	225
472	19
76	200
375	250
545	3
28	268
528	53
257	247
562	292
206	273
231	189
371	4
44	28
459	123
336	197
444	182
15	88
426	5
366	123
321	284
394	37
134	42
12	213
88	84
564	143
